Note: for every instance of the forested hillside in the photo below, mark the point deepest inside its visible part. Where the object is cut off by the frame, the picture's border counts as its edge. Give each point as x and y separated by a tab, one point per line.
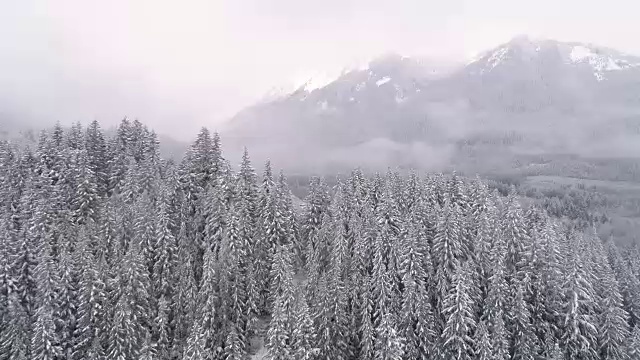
108	251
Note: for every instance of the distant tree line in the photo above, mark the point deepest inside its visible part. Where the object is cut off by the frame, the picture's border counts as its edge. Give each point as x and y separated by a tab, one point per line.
108	251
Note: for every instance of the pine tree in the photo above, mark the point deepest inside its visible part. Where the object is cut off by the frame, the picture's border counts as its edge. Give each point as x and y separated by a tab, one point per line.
233	286
417	316
613	326
14	340
388	343
195	348
130	307
86	196
148	351
207	313
67	312
556	353
579	333
496	301
45	341
186	292
279	334
162	330
107	251
523	344
331	317
457	309
367	335
447	247
165	251
634	343
96	148
483	347
316	207
303	335
92	302
516	238
216	208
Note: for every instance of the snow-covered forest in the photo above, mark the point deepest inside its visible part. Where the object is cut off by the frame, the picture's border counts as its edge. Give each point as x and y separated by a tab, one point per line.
108	251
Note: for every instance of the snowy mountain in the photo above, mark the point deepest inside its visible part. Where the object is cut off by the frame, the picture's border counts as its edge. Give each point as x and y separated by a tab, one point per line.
600	61
536	95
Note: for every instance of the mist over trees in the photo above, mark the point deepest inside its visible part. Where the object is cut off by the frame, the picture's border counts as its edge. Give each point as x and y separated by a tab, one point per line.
107	251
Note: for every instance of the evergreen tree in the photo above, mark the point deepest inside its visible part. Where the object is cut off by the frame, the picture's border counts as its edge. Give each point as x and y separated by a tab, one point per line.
483	348
612	325
279	334
634	343
523	342
460	323
496	300
45	341
447	248
417	316
195	349
130	307
579	333
107	251
303	334
14	341
92	302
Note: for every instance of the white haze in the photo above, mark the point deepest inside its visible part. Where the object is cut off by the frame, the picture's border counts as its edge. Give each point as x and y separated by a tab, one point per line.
179	65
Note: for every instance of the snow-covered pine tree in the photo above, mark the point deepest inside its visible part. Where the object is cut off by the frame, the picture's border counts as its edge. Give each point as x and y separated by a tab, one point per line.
633	343
579	333
185	292
45	341
388	345
331	306
446	252
131	308
96	148
459	318
516	237
523	340
86	199
613	321
195	347
14	335
629	285
303	341
416	314
216	208
233	255
67	294
279	335
316	207
92	318
366	330
483	347
165	251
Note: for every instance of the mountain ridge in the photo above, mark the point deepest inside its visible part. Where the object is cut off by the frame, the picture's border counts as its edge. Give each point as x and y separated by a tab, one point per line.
554	96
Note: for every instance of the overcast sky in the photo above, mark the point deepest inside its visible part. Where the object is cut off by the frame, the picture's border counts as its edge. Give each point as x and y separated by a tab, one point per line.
178	65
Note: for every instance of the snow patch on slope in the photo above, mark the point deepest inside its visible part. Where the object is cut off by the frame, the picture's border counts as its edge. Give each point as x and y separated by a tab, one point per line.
579	53
313	80
318	80
493	59
600	62
383	81
497	57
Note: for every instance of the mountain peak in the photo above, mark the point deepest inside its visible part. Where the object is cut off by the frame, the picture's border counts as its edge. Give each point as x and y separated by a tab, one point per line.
526	50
